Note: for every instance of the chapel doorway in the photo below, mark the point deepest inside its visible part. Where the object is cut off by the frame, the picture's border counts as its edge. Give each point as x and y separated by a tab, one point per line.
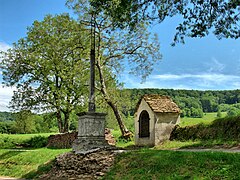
144	124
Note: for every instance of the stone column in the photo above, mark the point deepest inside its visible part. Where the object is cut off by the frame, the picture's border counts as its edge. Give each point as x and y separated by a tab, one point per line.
91	133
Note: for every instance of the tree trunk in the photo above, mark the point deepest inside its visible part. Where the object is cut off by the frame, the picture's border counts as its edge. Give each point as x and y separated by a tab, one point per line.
59	120
66	122
125	132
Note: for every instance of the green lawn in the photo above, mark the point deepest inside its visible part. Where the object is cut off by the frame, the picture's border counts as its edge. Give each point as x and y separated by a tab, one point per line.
11	140
142	164
148	164
206	119
23	137
121	142
24	163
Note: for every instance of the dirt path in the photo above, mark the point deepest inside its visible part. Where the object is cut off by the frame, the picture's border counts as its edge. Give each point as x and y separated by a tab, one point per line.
8	178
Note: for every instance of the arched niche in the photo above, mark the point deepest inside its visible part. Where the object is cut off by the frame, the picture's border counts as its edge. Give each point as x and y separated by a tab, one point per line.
144	121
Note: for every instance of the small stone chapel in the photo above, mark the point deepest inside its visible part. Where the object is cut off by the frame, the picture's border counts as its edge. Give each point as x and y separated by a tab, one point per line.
155	117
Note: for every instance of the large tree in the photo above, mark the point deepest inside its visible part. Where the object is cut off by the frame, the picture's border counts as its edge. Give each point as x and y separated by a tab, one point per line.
117	51
198	17
49	67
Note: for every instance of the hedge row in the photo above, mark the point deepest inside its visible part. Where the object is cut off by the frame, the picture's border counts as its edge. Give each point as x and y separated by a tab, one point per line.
225	129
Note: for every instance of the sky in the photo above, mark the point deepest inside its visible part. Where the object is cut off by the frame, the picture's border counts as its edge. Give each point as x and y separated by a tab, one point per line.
201	63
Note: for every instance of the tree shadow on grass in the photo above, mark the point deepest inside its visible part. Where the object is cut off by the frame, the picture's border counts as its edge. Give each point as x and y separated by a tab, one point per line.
42	169
214	144
10	154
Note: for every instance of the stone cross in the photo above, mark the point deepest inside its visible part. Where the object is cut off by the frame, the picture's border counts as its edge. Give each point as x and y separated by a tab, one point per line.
91	125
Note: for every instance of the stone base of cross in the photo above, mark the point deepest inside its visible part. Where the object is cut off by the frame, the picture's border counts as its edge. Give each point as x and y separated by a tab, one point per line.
91	133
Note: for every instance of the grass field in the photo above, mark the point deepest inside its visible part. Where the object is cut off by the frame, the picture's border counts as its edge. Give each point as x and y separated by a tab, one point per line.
206	119
154	164
10	140
144	164
26	162
23	137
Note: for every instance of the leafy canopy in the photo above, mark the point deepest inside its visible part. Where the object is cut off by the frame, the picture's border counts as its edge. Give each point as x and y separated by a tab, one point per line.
48	67
198	17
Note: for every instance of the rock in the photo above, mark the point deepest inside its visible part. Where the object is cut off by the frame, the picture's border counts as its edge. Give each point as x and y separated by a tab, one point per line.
75	166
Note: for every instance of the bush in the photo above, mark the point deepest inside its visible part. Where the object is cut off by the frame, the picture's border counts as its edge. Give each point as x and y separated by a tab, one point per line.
6	142
37	142
221	129
6	127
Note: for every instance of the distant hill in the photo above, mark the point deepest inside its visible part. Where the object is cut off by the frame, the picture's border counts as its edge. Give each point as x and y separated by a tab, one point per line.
6	116
193	103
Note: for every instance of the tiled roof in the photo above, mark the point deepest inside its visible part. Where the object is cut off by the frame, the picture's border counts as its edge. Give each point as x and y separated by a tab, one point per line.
161	103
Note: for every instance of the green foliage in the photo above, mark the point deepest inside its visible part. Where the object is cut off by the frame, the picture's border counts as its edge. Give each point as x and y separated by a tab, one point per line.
7	127
6	116
198	18
24	123
233	111
48	67
6	142
227	128
121	142
116	50
155	164
37	142
219	114
191	102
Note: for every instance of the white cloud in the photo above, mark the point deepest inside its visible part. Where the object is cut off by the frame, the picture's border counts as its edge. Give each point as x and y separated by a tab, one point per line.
4	46
5	97
205	81
206	76
215	66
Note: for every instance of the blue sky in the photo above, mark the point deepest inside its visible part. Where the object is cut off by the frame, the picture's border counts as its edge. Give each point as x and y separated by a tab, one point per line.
203	64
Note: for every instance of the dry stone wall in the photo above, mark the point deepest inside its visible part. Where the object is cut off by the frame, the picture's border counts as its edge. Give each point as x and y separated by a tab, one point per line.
66	140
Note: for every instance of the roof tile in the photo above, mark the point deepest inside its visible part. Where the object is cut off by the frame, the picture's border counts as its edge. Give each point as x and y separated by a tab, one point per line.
161	103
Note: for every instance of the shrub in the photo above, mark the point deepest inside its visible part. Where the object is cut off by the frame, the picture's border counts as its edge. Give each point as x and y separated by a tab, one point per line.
6	142
37	142
221	129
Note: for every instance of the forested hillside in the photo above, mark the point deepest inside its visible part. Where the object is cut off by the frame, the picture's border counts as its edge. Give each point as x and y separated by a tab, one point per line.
193	103
6	116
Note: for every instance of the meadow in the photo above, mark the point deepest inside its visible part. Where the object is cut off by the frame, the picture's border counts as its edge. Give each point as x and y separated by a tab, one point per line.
142	163
148	164
207	118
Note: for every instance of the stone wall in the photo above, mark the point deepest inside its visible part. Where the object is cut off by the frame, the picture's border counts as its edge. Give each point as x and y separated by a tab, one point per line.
66	140
62	140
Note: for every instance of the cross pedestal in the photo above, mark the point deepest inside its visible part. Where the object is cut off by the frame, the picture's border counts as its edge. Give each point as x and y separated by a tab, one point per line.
91	133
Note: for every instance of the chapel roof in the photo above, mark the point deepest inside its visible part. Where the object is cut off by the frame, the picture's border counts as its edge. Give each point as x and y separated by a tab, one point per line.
160	104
